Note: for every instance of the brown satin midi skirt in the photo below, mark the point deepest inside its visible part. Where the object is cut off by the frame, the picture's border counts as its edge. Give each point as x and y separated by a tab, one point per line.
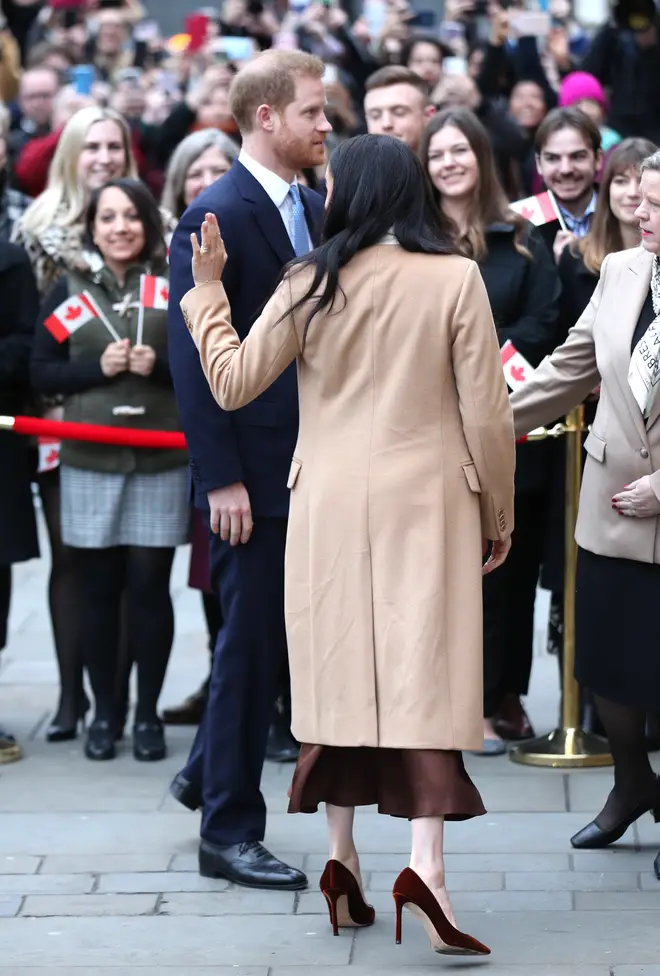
406	783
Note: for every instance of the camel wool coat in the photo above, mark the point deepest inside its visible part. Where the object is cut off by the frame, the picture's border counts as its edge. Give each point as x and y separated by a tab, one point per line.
404	461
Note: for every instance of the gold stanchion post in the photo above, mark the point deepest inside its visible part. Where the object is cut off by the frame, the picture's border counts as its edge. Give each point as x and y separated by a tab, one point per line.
568	746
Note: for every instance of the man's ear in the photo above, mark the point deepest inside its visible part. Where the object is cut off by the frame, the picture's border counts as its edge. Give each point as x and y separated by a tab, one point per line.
265	118
429	112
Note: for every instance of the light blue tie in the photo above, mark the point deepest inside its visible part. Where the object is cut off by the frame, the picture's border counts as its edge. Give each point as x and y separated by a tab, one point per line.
300	233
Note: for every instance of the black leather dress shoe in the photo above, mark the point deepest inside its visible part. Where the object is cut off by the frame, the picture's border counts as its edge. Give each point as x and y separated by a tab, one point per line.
184	791
281	746
149	741
656	867
592	837
100	744
250	865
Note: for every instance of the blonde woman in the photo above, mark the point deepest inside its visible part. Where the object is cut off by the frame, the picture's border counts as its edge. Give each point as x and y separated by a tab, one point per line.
201	159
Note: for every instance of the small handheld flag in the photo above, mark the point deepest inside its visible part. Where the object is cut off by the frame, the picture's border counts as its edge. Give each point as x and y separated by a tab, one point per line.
516	368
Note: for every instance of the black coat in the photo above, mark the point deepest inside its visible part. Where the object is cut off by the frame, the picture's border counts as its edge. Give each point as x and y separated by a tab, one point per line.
18	311
524	297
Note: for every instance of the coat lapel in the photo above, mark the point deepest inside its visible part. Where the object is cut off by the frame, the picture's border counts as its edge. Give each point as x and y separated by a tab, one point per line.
634	285
265	213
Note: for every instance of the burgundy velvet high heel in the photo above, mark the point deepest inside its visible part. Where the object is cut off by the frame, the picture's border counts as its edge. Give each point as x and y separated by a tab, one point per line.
346	905
409	889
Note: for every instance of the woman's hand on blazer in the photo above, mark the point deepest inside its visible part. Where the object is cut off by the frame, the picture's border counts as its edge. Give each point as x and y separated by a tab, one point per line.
208	261
115	358
637	500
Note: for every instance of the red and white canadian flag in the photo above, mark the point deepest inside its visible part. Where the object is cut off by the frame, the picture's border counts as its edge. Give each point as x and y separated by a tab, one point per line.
539	210
49	454
154	292
516	368
71	315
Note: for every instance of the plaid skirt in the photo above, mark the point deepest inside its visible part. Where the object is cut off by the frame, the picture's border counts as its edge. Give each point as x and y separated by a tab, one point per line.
101	510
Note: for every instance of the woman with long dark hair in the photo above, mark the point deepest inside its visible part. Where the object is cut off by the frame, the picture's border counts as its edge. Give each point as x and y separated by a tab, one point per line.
404	462
523	289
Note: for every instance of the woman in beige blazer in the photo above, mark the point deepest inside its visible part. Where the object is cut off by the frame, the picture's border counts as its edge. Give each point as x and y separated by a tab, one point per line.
404	461
616	343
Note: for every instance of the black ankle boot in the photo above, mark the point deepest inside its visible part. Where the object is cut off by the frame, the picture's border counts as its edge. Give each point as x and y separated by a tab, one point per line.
100	742
149	741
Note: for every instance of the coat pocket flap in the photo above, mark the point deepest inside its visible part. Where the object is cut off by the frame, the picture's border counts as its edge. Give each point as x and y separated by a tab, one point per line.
294	471
595	447
471	476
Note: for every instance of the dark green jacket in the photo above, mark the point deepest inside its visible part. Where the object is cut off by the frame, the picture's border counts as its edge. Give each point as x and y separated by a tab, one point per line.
73	369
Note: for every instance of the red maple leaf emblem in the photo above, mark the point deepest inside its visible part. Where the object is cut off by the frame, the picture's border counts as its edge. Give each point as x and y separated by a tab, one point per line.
527	213
518	374
51	457
72	313
164	294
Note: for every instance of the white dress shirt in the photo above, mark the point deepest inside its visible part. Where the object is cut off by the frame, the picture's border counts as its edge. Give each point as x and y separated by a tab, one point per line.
276	188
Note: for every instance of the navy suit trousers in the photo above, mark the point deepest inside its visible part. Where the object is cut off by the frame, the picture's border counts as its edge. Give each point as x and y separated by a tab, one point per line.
228	753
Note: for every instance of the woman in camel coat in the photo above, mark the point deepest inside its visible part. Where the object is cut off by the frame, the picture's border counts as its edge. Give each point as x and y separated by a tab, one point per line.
404	461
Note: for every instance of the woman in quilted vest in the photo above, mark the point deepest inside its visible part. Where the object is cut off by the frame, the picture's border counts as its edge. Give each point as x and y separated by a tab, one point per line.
123	510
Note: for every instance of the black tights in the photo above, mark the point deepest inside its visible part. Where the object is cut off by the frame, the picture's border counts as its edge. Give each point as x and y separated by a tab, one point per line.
134	582
634	779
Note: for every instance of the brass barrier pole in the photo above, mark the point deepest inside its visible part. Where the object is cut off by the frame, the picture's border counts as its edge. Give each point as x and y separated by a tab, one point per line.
568	746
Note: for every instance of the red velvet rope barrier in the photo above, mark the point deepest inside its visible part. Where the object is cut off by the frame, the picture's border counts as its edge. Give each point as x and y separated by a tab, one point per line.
66	431
63	430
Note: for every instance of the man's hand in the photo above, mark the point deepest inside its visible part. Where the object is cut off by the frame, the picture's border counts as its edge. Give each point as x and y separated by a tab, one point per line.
637	500
498	553
231	514
562	240
115	358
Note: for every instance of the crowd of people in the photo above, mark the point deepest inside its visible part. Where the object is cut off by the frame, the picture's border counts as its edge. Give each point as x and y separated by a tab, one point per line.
115	143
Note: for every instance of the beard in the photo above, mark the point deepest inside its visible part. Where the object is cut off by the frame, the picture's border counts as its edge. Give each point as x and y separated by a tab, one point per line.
298	152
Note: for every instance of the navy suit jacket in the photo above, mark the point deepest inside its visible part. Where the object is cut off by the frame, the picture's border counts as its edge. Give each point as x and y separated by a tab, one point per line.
255	444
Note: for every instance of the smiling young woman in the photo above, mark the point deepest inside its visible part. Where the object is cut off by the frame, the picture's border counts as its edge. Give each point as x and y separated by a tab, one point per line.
523	288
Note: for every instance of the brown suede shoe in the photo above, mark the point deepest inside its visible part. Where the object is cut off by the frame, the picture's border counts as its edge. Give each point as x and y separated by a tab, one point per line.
10	751
512	721
188	712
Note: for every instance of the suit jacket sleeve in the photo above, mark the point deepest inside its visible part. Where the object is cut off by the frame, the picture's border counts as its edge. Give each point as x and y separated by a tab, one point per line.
565	378
484	404
213	450
238	372
535	333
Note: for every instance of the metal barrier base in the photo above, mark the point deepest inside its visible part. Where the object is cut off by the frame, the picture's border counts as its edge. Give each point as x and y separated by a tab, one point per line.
564	749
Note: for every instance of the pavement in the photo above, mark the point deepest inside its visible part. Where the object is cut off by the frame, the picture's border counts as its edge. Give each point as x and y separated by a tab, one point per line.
98	871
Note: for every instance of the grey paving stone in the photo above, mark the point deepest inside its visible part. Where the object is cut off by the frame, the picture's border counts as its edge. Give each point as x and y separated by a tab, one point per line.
9	905
19	865
157	941
572	881
104	863
458	881
637	971
97	833
237	901
531	791
80	906
38	884
531	939
160	882
438	965
628	901
458	862
587	794
188	862
313	902
649	882
612	859
83	798
140	971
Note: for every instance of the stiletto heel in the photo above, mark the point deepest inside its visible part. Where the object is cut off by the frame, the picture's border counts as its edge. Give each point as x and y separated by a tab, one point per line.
346	905
409	889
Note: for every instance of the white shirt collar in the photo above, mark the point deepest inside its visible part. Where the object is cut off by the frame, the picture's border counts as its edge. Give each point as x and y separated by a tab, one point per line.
276	188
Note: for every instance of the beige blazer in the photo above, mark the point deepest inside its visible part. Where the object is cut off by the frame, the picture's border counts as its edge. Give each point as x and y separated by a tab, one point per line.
405	459
620	447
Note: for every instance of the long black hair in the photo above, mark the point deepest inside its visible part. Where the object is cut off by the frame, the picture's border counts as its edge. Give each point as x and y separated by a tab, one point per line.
379	185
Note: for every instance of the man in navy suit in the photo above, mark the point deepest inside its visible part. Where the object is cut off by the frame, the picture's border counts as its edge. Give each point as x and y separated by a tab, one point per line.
240	461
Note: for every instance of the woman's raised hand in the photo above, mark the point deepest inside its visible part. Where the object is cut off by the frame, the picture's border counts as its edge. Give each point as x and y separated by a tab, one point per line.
208	261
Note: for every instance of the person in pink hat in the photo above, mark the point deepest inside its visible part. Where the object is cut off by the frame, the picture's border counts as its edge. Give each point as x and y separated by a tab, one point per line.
583	91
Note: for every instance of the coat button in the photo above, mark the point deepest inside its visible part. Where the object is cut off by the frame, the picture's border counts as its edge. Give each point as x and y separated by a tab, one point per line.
644	452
